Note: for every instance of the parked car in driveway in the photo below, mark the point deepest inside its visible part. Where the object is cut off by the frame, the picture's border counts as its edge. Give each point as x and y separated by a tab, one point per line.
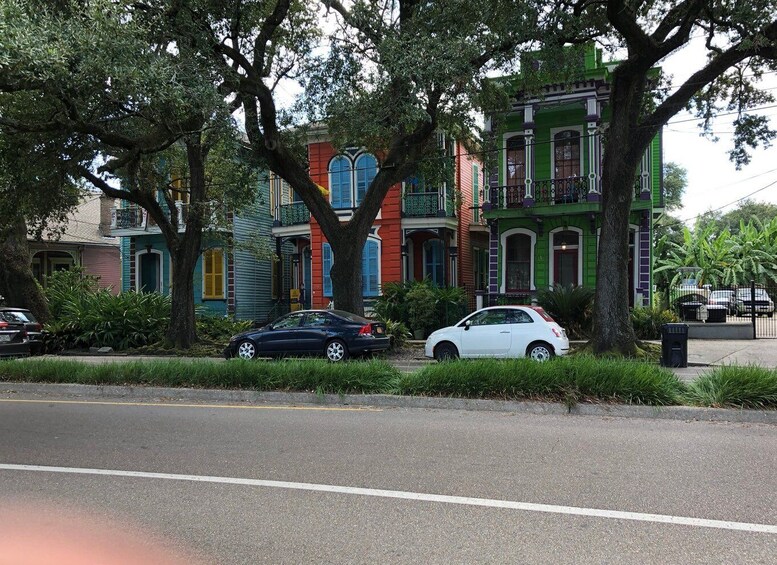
500	331
335	334
725	298
13	340
746	304
31	325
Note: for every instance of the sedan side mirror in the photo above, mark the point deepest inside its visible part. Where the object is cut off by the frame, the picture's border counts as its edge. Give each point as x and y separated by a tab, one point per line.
467	324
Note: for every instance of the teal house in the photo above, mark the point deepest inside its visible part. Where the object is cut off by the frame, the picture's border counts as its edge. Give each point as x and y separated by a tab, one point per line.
228	279
544	197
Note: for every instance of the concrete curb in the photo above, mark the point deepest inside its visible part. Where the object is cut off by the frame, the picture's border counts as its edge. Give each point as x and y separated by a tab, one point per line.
137	393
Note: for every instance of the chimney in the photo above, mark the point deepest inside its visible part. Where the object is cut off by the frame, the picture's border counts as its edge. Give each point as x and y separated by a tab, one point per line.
106	207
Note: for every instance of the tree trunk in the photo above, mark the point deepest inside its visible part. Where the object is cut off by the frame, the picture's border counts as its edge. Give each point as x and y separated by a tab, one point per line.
17	284
182	332
613	330
186	250
346	277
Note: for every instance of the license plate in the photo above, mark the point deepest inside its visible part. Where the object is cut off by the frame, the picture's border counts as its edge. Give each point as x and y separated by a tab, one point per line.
379	330
5	337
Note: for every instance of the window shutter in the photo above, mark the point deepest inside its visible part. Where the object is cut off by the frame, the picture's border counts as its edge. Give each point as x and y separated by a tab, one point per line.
370	268
475	192
326	260
340	182
218	273
366	169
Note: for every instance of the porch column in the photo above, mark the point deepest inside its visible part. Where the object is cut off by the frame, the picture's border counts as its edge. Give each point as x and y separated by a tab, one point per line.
493	261
594	150
643	272
644	176
528	134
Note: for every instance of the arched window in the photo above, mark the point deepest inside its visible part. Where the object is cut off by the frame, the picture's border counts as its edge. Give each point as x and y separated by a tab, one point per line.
516	160
366	169
340	173
518	262
434	261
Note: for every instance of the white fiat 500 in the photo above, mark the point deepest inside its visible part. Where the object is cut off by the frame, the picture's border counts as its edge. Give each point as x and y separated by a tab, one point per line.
500	331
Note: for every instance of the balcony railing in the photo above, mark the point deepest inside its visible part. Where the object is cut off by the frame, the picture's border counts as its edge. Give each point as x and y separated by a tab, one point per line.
561	191
133	217
293	214
427	205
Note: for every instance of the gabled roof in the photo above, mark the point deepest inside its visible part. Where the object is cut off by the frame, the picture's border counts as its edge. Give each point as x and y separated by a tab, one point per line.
83	225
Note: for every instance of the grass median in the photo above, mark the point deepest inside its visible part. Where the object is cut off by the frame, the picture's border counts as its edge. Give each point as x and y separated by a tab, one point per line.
569	380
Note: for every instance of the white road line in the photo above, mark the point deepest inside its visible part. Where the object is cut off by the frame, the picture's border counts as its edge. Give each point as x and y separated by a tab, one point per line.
415	496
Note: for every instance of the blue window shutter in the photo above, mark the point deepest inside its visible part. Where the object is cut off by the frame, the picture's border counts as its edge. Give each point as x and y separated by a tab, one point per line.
370	268
340	182
366	169
326	259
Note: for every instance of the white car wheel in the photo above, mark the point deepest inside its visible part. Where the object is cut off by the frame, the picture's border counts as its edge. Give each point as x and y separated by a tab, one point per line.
540	352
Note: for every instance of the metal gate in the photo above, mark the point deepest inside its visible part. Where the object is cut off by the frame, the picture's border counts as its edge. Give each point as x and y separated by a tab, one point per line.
751	304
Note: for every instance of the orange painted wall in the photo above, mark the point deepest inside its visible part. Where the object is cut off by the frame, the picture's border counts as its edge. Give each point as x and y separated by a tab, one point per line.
388	225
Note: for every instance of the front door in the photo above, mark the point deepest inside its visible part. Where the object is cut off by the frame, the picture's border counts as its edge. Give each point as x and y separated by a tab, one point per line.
149	272
565	266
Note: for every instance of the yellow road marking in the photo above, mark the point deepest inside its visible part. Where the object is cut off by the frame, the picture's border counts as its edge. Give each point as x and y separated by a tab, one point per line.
176	405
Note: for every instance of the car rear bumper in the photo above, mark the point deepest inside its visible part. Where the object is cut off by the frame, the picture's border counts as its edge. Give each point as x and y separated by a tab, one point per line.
15	349
362	345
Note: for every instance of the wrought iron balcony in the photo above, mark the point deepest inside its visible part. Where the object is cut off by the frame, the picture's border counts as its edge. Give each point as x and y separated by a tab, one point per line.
561	191
293	214
427	205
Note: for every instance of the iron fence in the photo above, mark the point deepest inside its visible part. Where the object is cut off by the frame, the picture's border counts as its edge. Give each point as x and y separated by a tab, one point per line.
751	304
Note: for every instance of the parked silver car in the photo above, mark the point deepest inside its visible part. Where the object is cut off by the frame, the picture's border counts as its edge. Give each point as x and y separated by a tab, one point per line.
761	303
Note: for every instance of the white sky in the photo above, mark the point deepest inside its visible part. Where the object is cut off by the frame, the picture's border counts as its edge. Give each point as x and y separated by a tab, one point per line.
713	181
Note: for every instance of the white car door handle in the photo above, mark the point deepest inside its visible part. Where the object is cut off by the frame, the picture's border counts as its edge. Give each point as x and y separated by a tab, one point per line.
505	332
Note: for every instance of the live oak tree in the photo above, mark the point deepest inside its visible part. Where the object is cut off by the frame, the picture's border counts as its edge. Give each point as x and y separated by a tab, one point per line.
36	193
106	78
741	44
388	76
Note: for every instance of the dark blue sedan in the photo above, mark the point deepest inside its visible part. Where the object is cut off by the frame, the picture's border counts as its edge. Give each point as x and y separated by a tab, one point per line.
333	333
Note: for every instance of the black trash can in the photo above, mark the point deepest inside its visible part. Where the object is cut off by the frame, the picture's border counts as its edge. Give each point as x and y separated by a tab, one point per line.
716	314
689	311
674	345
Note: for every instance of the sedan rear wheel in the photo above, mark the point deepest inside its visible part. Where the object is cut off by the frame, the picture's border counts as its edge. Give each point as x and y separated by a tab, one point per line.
540	351
336	350
246	349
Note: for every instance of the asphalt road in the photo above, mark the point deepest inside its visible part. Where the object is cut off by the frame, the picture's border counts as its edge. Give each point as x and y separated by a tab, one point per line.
532	489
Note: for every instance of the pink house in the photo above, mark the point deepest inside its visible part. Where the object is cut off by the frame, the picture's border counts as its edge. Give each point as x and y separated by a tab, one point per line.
85	241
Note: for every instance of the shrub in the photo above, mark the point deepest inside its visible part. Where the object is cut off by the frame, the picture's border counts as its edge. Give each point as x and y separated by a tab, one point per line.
421	307
101	319
571	307
398	333
63	286
451	304
732	386
220	328
648	321
448	304
391	304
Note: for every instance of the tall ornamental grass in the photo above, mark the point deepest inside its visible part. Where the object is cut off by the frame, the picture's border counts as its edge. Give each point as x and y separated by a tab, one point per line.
735	387
565	379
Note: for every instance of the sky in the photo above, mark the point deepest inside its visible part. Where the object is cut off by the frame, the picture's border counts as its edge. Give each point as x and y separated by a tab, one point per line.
713	181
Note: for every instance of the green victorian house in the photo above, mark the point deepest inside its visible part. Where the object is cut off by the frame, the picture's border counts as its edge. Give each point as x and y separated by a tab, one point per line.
544	198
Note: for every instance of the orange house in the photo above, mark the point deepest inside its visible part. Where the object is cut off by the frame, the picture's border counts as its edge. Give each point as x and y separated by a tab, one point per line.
421	231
